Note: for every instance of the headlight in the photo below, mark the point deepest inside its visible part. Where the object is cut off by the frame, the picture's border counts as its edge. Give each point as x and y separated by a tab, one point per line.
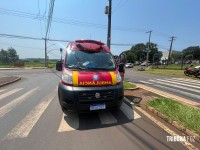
67	78
118	77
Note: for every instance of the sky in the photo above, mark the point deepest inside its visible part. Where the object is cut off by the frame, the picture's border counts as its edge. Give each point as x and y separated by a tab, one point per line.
85	19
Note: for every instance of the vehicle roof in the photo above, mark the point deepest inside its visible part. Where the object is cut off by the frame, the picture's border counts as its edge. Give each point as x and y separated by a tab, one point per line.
90	45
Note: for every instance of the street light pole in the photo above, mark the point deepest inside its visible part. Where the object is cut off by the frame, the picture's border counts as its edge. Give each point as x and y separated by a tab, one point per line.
61	50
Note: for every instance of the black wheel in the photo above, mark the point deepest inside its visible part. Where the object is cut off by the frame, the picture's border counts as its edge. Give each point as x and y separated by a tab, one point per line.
185	72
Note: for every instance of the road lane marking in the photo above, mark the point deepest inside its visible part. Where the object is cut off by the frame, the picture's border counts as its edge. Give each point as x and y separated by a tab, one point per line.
145	82
10	93
180	83
69	122
183	81
188	80
2	90
177	86
129	112
23	128
128	101
8	107
165	128
106	117
178	91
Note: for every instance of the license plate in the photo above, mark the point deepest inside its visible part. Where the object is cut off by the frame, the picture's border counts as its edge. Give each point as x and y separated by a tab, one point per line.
97	106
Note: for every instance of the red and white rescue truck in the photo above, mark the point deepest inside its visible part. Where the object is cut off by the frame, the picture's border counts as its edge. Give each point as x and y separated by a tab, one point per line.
90	78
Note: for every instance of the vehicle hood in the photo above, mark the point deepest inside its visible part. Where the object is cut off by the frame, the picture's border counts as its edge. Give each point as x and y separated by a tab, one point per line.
85	78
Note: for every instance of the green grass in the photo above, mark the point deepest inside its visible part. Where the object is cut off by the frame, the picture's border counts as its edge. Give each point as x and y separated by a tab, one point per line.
175	111
169	72
128	85
6	66
172	66
51	64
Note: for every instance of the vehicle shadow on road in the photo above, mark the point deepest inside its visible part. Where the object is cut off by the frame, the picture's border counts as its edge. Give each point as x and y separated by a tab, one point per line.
100	119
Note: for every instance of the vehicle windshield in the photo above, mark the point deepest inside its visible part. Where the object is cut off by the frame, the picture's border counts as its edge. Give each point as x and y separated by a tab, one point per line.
87	60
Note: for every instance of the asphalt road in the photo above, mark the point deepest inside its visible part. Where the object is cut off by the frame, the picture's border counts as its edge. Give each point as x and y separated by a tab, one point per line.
31	118
186	88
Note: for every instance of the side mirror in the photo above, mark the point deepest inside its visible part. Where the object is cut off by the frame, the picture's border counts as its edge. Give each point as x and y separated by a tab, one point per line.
122	58
59	65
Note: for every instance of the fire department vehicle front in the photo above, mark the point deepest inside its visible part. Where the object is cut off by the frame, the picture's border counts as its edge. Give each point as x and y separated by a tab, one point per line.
90	80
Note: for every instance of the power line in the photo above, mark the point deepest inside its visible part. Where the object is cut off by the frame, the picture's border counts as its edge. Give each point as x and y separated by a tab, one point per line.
15	45
120	4
65	21
56	40
19	37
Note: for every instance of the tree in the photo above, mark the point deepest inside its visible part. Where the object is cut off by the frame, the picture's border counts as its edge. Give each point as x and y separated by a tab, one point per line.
192	52
130	56
176	55
4	57
139	50
12	55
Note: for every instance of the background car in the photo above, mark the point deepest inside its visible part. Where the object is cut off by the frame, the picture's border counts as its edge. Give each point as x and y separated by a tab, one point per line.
129	65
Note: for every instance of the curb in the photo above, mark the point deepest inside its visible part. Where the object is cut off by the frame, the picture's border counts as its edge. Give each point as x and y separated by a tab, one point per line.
9	82
173	123
136	88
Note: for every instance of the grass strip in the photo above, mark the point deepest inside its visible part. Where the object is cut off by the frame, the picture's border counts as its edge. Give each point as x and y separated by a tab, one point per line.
171	73
176	111
128	85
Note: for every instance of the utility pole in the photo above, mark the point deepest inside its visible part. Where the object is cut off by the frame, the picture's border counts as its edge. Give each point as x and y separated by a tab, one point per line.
45	47
108	11
147	60
170	49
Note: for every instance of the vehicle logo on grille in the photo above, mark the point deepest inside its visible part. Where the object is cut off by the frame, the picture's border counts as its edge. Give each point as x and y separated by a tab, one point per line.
95	77
97	95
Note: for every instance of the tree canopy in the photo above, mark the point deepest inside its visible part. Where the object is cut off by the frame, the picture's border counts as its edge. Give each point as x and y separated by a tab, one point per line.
138	52
8	56
191	53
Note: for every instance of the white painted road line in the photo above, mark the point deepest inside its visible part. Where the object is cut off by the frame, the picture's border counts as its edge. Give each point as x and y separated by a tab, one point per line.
106	117
24	127
178	91
2	90
166	129
188	80
69	122
177	86
8	107
129	112
183	81
10	93
197	87
146	82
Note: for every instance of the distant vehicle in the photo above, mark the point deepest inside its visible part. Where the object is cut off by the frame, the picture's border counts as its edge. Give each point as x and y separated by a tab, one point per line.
129	65
90	78
144	64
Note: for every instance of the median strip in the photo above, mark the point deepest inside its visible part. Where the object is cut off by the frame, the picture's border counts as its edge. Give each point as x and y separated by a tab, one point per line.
185	118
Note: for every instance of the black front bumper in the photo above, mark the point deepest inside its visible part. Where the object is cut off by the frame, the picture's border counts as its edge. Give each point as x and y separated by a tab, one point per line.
81	98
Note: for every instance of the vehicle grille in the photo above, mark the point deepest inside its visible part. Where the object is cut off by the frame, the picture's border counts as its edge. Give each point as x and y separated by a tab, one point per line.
89	96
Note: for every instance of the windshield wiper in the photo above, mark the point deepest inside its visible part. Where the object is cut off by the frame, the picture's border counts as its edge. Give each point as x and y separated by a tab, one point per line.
75	67
100	68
